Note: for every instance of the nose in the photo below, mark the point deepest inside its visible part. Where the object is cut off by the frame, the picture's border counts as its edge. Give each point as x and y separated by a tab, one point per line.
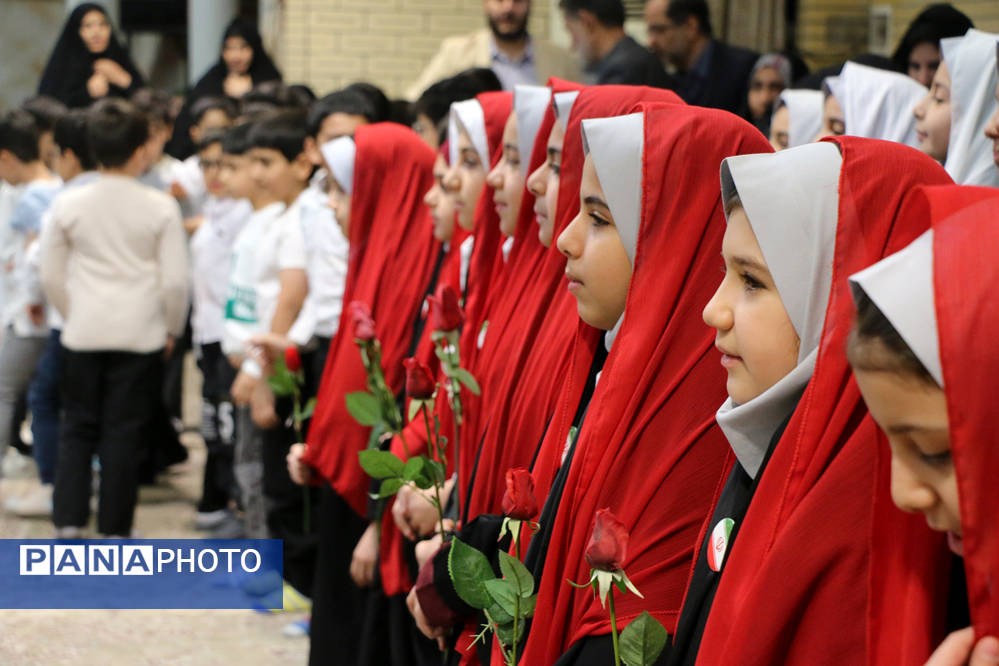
718	312
452	182
431	197
538	180
495	177
920	110
570	241
992	128
907	489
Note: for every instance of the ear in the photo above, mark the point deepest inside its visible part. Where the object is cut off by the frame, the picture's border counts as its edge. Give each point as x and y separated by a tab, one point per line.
691	27
588	19
196	134
312	151
303	167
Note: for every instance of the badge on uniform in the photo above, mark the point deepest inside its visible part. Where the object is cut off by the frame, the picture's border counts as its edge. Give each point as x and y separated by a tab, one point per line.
718	543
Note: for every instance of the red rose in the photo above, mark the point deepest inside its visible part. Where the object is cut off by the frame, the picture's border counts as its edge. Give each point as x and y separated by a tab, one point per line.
608	542
292	360
420	383
364	325
446	314
519	502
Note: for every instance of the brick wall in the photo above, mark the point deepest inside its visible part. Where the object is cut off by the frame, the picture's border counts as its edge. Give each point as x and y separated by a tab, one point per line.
331	43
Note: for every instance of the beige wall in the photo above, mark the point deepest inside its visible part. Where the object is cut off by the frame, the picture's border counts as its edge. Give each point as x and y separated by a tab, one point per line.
827	29
331	43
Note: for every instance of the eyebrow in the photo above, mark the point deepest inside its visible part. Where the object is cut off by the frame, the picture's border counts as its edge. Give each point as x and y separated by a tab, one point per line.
596	201
511	146
554	152
746	262
942	86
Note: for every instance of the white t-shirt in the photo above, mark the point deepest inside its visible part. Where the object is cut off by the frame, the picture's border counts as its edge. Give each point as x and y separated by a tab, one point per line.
328	251
9	196
26	224
242	310
211	251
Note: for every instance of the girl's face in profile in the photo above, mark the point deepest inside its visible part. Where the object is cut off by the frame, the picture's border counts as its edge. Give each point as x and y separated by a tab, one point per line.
598	267
506	181
466	179
758	343
992	131
95	31
780	126
933	117
544	182
913	416
440	203
339	201
833	123
237	55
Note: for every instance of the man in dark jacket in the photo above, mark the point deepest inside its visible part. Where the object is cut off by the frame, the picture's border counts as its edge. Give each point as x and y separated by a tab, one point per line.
610	56
711	73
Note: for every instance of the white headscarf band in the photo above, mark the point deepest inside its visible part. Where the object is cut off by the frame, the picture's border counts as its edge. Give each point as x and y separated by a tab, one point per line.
878	104
804	109
972	67
471	118
340	154
530	104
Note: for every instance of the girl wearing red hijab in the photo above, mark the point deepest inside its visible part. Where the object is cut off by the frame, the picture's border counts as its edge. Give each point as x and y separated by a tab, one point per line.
382	174
921	358
782	570
641	264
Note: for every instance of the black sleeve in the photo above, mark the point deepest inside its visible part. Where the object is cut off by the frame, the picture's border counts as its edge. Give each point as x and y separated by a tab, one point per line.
596	651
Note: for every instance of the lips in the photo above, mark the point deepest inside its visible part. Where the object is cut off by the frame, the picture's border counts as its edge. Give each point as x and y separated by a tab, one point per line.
574	282
921	136
728	360
955	543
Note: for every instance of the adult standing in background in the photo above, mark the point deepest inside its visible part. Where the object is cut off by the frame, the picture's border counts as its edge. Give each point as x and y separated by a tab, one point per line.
243	63
918	53
710	72
88	62
611	56
506	47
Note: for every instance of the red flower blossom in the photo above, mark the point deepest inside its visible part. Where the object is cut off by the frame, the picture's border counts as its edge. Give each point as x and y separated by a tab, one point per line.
608	542
364	325
420	383
446	314
292	360
519	502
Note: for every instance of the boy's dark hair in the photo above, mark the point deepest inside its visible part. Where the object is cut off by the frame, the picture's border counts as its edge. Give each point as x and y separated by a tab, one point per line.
301	95
236	140
678	11
283	131
216	135
70	133
349	100
155	104
609	13
115	130
211	103
45	110
436	100
401	112
19	134
875	345
379	100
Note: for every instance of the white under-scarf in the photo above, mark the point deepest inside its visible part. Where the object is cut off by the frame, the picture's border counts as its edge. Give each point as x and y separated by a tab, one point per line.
971	62
340	154
877	103
530	104
804	108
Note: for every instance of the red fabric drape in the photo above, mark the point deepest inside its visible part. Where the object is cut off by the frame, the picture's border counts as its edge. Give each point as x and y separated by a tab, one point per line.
649	448
795	589
392	256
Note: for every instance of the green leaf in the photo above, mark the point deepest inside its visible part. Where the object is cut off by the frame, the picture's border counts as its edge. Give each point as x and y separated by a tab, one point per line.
308	410
466	378
642	641
518	575
364	407
414	468
438	472
414	408
390	487
499	615
282	383
504	632
469	570
503	593
381	464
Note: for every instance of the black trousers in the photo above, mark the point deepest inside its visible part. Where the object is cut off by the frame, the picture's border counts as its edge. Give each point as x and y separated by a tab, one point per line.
109	402
218	428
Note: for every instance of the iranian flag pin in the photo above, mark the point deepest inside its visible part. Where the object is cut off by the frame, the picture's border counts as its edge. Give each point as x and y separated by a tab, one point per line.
718	544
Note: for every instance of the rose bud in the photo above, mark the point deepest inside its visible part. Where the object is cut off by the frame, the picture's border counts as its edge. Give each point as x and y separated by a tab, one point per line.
519	502
608	542
292	360
364	325
420	384
446	314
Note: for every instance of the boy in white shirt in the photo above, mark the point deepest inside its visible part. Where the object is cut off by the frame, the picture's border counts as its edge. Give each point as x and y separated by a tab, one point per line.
114	263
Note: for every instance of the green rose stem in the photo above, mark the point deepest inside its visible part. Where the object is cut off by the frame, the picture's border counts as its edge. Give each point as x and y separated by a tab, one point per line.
454	395
437	489
306	497
516	603
614	637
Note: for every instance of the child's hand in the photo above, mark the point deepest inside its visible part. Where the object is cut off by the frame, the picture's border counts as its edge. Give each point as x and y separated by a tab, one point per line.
265	347
177	191
191	224
428	630
36	313
262	406
242	388
299	470
362	566
959	648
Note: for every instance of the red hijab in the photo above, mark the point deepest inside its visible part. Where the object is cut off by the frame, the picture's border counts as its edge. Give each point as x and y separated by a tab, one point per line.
649	448
392	256
965	272
795	587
